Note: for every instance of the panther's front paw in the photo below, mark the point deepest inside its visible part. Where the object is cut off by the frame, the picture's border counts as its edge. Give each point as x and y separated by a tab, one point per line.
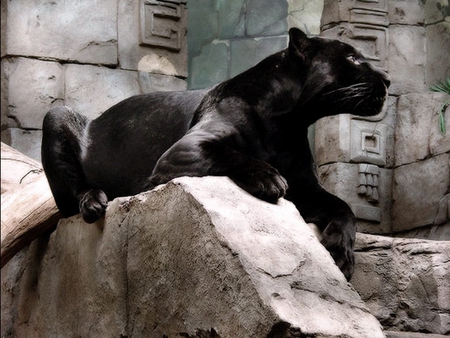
93	205
263	182
339	239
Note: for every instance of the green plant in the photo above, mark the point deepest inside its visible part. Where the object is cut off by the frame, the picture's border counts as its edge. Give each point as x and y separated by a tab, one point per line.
442	86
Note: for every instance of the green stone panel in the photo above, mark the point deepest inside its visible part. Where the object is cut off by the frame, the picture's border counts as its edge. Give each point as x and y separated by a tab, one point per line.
266	17
202	24
248	52
210	67
231	16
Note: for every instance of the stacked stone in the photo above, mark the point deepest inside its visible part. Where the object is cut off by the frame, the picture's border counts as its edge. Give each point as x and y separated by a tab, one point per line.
404	142
85	54
403	155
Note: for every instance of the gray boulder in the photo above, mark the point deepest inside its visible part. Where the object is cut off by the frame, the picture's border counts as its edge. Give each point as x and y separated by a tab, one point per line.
197	257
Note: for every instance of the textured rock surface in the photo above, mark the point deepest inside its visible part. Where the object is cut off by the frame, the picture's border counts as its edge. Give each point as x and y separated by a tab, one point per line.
405	282
195	255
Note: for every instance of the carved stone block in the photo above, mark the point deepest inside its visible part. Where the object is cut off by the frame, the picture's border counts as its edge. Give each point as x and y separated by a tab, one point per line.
152	36
368	142
160	24
345	181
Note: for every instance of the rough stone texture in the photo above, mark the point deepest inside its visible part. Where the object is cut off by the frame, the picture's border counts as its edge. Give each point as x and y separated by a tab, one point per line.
56	30
420	193
438	58
91	90
195	255
407	51
305	14
32	87
405	283
332	139
406	12
417	132
337	177
50	59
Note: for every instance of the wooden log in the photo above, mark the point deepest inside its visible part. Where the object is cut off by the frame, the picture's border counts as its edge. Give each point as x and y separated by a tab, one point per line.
27	206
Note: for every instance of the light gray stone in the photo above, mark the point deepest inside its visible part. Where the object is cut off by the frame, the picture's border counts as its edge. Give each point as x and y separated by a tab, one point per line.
405	282
27	142
332	139
32	87
438	57
417	133
82	31
305	14
189	257
406	66
341	179
406	12
91	90
417	192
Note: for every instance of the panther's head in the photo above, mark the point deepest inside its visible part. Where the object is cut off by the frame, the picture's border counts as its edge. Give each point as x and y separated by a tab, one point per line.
336	77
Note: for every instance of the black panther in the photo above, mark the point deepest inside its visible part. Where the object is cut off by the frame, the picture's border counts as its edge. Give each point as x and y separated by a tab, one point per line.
251	128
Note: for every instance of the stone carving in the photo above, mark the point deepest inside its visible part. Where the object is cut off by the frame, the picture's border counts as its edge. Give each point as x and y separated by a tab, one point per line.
364	24
368	142
368	182
160	23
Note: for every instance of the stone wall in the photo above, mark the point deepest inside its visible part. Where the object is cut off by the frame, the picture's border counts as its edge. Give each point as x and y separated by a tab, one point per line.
85	54
393	169
228	37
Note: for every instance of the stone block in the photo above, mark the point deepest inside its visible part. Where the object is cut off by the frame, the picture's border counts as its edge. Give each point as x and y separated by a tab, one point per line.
159	56
406	12
435	11
91	90
371	208
31	87
246	53
438	57
192	257
418	189
266	17
305	14
332	139
405	282
417	132
27	142
406	65
80	31
210	66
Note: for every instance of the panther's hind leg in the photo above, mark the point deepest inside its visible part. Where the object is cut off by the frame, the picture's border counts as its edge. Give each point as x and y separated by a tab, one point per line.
63	143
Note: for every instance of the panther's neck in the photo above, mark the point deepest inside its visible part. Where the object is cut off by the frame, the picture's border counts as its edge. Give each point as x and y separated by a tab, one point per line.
271	88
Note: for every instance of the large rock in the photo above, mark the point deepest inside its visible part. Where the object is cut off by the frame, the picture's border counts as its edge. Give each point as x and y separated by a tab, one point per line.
195	257
405	282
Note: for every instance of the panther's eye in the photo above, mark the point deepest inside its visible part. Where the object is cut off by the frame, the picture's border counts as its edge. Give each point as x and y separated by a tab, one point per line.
353	58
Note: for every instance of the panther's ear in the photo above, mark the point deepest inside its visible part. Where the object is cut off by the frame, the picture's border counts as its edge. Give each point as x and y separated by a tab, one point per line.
298	43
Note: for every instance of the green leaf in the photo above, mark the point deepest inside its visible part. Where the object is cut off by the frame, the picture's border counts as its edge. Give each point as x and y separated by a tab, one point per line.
442	86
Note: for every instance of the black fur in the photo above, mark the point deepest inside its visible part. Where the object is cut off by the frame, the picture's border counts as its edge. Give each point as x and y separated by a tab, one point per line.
252	128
